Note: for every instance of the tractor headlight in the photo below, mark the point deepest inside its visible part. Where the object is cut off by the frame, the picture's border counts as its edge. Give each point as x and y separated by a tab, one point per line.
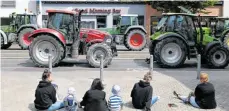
108	39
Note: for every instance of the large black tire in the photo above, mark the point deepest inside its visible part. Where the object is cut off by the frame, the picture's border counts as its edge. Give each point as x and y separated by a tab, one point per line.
94	52
40	48
136	45
4	46
226	41
170	46
23	41
217	57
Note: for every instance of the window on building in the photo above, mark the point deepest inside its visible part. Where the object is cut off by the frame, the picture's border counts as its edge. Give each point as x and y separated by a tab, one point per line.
141	20
101	21
115	20
8	3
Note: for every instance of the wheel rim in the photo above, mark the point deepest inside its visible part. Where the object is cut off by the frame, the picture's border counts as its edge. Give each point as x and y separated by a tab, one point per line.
43	49
97	55
171	53
26	39
136	40
219	57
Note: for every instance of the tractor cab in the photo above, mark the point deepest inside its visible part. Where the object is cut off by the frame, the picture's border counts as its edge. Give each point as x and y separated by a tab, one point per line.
63	21
22	19
219	25
180	23
126	21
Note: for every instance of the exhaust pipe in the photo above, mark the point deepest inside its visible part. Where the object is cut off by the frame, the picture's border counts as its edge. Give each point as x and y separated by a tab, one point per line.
76	40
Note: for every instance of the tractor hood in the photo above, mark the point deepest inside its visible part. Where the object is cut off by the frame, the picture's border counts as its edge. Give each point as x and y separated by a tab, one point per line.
92	34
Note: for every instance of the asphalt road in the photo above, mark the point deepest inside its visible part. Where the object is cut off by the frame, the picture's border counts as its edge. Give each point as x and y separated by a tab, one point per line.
19	60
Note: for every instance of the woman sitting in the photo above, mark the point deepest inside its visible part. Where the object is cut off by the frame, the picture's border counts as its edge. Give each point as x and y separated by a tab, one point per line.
45	95
94	99
204	96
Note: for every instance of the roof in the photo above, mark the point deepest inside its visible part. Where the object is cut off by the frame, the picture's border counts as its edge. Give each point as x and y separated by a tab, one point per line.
61	11
93	2
129	15
25	14
194	15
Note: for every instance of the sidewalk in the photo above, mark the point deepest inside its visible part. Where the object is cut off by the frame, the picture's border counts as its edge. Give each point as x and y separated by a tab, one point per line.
18	88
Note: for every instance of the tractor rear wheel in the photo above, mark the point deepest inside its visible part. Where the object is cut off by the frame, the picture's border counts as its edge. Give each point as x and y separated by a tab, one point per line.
217	57
170	52
226	41
4	46
23	38
44	45
135	40
95	51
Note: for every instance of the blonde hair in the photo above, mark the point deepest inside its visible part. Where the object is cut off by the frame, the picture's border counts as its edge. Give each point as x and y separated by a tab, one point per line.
204	76
147	76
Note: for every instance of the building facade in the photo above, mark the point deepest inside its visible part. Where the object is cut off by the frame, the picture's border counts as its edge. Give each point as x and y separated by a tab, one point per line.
99	13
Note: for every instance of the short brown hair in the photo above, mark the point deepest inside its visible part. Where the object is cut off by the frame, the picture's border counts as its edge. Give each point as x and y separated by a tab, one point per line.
46	74
147	76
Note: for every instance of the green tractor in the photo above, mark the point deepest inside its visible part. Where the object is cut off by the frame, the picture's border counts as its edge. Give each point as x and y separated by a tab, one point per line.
128	32
20	27
220	29
180	36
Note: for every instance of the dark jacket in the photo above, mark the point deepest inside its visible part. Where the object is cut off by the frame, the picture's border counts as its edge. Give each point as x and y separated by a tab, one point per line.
45	95
142	95
94	100
205	96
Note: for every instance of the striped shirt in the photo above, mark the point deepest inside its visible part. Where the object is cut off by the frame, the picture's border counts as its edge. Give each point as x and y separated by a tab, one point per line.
115	103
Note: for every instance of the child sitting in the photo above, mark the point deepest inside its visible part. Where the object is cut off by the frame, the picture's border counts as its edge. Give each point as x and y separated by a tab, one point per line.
70	103
115	101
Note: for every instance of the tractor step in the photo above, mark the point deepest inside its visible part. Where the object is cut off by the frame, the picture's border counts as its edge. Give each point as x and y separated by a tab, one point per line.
193	52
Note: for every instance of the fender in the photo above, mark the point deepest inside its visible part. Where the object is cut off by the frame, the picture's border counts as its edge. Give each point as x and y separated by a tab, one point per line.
94	41
27	26
210	45
135	27
172	34
53	32
4	37
224	34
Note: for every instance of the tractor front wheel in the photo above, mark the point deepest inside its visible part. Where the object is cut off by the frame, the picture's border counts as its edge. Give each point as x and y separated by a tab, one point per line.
135	40
94	53
217	57
23	38
44	45
4	46
170	52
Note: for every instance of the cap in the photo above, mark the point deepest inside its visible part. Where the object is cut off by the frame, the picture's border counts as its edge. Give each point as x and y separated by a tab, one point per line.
116	89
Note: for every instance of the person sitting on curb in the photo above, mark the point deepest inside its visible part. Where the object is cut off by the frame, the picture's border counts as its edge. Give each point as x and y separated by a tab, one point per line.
142	94
115	102
95	98
204	96
45	94
70	102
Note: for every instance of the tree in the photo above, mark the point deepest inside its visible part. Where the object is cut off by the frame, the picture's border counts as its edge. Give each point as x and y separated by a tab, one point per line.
172	6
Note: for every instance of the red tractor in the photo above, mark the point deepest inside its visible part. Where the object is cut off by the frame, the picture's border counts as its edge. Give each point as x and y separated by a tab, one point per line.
63	38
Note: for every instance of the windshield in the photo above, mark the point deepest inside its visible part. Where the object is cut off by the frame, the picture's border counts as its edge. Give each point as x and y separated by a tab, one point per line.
161	22
125	20
60	21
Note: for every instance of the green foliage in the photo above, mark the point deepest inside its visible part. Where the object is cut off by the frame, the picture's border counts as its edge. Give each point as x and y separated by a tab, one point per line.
172	6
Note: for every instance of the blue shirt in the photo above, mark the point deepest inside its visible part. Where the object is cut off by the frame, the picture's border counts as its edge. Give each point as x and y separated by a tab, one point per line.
115	103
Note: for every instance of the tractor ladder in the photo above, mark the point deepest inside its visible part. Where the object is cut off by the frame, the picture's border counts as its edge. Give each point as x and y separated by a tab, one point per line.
193	50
